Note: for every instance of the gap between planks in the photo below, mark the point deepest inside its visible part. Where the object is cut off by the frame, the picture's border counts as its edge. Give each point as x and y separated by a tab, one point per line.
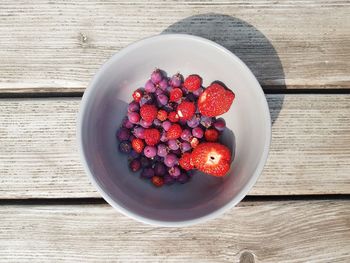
289	231
309	152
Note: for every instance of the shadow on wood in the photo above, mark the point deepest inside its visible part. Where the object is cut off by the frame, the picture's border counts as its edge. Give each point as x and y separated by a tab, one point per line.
242	39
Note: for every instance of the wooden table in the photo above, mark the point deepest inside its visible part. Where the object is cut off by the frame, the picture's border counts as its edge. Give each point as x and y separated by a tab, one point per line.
299	211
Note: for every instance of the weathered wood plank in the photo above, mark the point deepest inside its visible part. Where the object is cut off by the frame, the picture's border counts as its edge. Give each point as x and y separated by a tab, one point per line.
310	151
296	231
50	45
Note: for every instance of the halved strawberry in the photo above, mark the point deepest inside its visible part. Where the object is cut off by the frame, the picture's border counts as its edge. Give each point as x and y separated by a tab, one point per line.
215	100
211	158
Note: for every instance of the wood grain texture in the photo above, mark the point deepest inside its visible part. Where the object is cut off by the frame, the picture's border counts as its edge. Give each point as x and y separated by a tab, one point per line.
47	46
310	151
306	231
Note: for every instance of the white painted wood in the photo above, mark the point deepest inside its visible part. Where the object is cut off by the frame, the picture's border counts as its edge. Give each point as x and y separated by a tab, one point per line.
291	232
310	151
50	46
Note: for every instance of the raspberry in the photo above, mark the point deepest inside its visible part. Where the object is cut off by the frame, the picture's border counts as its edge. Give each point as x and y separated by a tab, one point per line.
194	142
173	117
137	95
185	162
148	112
186	110
152	136
193	82
138	145
211	135
157	181
215	100
162	115
174	132
211	158
175	94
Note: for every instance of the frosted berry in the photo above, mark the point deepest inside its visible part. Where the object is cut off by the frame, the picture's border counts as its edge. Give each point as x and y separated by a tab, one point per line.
123	134
162	150
160	169
150	151
133	106
206	121
185	147
135	165
220	124
197	132
147	172
173	144
194	122
125	147
176	80
149	86
166	125
186	135
183	178
134	117
163	84
156	76
145	124
170	160
174	172
127	124
139	132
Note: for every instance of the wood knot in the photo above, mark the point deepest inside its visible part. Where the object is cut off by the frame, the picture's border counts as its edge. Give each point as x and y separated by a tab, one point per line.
247	257
83	38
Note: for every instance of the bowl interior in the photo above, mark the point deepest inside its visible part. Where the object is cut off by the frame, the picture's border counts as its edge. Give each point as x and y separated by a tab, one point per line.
105	105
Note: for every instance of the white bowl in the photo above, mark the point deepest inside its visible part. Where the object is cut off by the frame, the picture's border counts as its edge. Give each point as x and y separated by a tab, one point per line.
104	105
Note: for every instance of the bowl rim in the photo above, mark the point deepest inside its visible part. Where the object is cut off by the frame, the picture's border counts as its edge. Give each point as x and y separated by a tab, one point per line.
235	200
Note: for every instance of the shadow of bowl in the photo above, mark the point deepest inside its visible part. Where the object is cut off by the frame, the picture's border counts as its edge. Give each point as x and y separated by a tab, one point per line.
245	41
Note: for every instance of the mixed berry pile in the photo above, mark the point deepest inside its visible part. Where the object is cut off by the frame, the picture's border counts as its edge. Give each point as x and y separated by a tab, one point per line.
171	129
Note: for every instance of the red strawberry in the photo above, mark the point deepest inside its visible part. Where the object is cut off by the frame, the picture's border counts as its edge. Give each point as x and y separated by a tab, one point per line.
138	145
157	181
162	115
152	136
185	162
137	95
175	94
211	158
173	117
186	110
148	112
211	135
193	82
215	100
174	131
